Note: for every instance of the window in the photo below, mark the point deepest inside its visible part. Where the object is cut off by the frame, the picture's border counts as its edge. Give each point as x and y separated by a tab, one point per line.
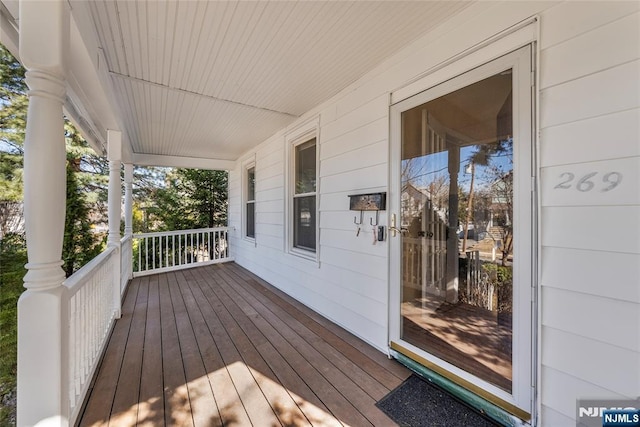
304	196
250	217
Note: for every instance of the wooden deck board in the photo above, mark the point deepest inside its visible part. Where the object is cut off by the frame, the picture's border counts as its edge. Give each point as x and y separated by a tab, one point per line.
125	401
98	409
348	379
283	373
276	400
177	408
217	346
332	333
151	400
350	368
204	408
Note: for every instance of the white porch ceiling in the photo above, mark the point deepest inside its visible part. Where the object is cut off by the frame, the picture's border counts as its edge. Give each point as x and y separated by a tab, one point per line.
211	79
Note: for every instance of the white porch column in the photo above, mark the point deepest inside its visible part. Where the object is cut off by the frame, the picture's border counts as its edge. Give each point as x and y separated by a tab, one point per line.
114	155
128	209
43	397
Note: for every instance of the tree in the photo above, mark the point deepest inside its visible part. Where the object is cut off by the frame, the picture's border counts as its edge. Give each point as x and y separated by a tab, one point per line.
80	243
11	218
13	112
193	198
86	192
482	156
90	171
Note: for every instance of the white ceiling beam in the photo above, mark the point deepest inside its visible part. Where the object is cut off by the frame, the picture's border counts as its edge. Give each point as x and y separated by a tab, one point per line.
8	30
182	162
214	98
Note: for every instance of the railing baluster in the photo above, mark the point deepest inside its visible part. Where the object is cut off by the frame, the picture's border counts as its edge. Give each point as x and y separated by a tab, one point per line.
193	247
90	315
218	241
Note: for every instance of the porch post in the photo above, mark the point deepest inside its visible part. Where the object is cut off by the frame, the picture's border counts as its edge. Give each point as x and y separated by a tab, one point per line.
114	150
43	397
451	295
128	208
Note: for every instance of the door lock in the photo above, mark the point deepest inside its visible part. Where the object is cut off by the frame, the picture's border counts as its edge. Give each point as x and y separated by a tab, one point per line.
392	228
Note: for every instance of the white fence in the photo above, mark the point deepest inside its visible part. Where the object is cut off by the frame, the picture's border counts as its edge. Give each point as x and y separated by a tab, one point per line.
92	309
175	250
93	294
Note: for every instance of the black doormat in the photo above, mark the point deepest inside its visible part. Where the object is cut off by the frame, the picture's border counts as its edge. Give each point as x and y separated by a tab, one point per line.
417	403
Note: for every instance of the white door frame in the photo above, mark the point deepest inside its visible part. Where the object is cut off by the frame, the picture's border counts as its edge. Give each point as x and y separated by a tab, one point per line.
520	60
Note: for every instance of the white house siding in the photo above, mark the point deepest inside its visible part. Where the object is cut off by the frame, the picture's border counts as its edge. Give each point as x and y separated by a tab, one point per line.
589	260
590	256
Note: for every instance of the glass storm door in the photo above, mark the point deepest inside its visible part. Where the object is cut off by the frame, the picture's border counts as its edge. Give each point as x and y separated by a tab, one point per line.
462	181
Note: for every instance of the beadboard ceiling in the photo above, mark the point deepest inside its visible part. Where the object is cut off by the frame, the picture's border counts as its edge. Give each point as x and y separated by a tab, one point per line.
211	79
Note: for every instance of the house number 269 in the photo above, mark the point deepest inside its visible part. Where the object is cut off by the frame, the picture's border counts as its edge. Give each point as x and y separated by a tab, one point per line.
590	181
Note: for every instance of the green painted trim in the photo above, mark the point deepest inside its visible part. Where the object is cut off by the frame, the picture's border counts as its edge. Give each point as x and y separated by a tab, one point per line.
497	414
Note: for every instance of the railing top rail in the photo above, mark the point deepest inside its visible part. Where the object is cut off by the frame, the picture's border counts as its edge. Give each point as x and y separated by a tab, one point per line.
178	232
75	282
125	238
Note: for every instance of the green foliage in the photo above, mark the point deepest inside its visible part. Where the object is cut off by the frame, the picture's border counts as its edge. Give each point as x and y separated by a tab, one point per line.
13	111
80	245
91	170
12	75
13	100
86	193
192	198
499	274
10	177
13	257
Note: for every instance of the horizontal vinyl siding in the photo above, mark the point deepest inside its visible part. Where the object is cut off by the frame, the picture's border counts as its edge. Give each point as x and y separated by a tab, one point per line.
590	260
349	283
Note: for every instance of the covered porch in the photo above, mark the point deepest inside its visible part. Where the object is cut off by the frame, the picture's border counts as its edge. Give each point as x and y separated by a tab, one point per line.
216	345
73	70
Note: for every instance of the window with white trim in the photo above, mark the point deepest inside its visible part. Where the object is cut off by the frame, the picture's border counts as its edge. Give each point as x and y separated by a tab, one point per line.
250	202
304	203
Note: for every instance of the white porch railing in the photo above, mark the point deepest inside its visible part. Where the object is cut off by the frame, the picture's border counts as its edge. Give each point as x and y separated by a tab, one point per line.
91	301
175	250
424	264
91	312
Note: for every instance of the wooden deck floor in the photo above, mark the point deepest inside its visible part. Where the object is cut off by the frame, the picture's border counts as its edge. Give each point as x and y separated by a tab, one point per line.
215	346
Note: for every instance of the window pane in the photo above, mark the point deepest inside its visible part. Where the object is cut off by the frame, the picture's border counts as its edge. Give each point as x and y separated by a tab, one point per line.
251	184
304	227
305	172
251	223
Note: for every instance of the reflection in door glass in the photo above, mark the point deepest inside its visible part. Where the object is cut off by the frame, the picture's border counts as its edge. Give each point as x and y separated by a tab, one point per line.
457	221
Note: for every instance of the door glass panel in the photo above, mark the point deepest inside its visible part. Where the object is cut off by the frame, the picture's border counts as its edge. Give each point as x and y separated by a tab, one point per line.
457	222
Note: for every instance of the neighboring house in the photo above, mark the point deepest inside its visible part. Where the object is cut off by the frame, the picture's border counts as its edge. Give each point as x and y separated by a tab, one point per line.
310	104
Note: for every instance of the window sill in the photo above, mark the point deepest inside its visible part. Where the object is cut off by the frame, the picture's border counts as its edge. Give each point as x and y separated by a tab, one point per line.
307	255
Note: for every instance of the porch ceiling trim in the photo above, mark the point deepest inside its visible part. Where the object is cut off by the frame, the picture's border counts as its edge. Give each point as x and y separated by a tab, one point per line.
182	162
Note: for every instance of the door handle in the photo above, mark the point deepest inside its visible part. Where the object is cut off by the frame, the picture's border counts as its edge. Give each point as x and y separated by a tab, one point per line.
395	230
